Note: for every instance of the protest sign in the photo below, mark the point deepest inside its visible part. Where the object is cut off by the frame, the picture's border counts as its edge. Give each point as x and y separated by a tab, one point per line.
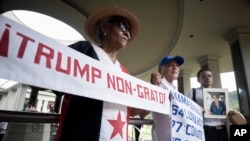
187	120
29	57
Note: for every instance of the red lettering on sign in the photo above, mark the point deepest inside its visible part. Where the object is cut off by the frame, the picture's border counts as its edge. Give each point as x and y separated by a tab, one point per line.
59	64
82	71
46	52
23	45
146	93
153	96
85	71
30	52
150	94
119	84
139	92
96	73
4	42
162	97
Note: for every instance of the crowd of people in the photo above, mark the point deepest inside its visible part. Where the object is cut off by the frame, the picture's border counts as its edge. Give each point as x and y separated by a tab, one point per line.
111	29
214	128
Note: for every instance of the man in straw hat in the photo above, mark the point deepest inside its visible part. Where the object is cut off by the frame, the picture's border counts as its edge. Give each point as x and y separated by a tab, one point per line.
111	28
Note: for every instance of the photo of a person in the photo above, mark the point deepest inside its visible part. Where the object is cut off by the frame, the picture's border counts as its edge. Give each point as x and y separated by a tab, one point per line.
216	103
217	106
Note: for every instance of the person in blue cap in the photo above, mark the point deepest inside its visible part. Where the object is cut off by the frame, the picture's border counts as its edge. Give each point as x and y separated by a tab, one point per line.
168	71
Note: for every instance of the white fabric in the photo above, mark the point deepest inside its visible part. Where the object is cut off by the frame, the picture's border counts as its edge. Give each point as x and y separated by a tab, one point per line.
187	120
71	70
199	101
111	111
161	129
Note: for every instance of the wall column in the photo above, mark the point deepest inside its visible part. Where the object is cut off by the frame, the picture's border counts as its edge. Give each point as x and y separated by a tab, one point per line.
239	41
15	98
184	83
212	62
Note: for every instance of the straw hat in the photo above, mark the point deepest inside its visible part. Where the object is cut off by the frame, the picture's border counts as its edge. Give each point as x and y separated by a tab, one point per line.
95	17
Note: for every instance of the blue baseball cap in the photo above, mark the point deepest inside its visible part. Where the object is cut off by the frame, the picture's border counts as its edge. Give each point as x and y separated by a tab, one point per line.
167	59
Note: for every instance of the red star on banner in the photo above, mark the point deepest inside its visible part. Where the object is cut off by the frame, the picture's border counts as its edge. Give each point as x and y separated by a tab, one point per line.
117	125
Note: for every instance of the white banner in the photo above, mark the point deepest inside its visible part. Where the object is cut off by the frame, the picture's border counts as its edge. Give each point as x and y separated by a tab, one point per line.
29	57
187	119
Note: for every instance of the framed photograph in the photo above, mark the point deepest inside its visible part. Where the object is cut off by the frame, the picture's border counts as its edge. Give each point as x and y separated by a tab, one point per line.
216	102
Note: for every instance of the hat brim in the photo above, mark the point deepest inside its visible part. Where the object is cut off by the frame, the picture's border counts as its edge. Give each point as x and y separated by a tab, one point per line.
178	59
95	17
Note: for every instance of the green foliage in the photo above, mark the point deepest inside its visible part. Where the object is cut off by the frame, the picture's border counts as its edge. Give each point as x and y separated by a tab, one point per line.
233	101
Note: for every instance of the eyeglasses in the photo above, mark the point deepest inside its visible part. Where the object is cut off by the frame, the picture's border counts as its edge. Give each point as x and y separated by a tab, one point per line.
122	25
124	28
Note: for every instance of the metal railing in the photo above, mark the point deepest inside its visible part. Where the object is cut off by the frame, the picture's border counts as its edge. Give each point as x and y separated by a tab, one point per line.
53	118
28	117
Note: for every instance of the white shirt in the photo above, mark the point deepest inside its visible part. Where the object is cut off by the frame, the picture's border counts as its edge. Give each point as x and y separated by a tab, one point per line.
161	129
112	111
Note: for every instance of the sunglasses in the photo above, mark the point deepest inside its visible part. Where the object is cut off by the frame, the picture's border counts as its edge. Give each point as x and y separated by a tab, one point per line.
124	28
122	24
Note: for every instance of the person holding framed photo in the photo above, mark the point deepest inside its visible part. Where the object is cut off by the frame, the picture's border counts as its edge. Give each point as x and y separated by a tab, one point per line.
214	128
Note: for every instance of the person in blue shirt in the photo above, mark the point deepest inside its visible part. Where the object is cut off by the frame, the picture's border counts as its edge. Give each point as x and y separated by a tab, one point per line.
217	107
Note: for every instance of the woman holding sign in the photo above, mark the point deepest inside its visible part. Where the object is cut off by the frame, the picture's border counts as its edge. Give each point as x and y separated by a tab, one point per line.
111	28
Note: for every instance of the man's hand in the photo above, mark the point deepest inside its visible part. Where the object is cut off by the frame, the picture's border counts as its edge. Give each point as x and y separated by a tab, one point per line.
155	78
